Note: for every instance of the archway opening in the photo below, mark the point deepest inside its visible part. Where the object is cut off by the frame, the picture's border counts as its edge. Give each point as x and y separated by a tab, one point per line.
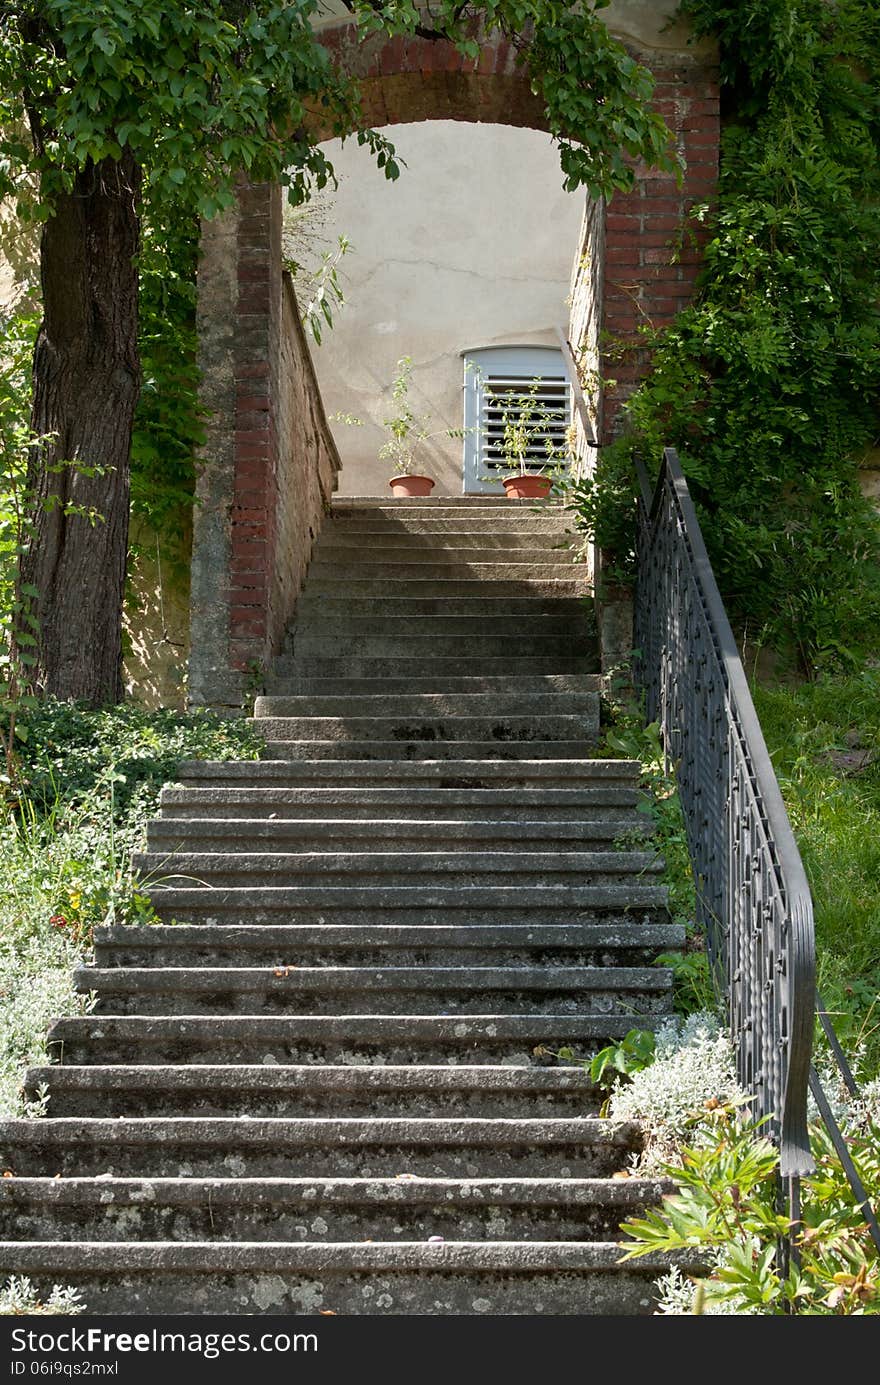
462	267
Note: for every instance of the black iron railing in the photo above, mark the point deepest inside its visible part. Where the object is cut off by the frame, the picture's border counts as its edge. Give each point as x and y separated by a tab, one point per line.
753	898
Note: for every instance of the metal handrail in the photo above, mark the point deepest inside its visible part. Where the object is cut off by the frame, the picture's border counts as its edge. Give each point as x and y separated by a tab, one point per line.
753	897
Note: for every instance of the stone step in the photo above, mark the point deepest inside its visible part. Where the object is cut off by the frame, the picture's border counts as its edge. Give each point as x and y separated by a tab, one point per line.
573	582
518	690
519	804
479	627
299	989
492	521
500	726
294	1091
473	774
352	504
437	670
191	1146
621	940
432	705
319	1039
429	749
385	870
533	1278
414	904
414	640
392	541
323	1210
473	564
304	834
341	609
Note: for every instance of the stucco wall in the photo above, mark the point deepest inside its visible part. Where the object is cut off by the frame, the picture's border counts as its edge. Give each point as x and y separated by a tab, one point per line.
471	247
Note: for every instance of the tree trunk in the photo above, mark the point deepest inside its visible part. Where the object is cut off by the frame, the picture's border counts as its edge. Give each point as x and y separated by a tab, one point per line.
86	383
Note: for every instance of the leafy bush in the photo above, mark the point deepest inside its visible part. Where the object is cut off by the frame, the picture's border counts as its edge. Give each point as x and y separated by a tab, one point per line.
71	753
767	384
726	1199
693	1071
727	1205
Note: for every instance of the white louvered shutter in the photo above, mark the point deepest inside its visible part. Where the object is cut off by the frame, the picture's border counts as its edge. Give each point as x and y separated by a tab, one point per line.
496	379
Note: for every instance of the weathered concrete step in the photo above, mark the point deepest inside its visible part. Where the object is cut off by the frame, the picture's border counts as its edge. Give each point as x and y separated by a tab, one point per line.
396	1039
432	749
413	641
402	504
486	1277
157	1146
318	605
478	626
323	1210
503	700
497	726
470	869
622	940
518	689
547	685
438	670
467	515
341	990
573	583
490	542
304	834
518	804
474	774
311	1090
515	565
414	904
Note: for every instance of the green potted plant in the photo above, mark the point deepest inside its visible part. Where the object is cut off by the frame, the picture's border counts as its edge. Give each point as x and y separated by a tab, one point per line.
526	425
407	430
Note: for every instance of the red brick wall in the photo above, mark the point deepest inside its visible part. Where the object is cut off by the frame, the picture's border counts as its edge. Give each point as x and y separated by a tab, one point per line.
652	249
256	351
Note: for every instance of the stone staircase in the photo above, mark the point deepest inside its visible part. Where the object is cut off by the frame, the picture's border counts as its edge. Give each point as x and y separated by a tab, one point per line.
325	1082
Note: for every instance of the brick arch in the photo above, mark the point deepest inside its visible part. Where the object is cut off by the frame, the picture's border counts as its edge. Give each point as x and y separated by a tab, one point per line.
268	463
404	80
635	261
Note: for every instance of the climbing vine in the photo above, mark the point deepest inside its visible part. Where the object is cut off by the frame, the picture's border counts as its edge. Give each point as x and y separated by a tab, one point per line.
768	383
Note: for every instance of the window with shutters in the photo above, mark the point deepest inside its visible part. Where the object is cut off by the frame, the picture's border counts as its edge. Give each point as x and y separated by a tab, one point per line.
502	384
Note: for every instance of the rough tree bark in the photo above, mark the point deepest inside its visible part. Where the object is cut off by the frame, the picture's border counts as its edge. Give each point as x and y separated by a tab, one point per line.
86	383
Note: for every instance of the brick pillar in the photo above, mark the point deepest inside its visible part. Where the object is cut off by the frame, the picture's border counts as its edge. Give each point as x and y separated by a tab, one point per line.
652	249
257	355
239	316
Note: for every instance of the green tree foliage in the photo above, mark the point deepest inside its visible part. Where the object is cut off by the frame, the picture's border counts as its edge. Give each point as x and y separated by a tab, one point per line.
768	383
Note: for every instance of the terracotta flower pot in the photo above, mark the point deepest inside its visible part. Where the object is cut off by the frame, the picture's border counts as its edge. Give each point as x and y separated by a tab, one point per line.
411	485
527	487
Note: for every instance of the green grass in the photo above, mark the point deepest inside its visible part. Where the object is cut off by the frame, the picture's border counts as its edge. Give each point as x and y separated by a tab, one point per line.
824	740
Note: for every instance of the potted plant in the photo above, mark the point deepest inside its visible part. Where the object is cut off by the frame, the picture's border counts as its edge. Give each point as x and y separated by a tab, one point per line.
407	430
526	423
